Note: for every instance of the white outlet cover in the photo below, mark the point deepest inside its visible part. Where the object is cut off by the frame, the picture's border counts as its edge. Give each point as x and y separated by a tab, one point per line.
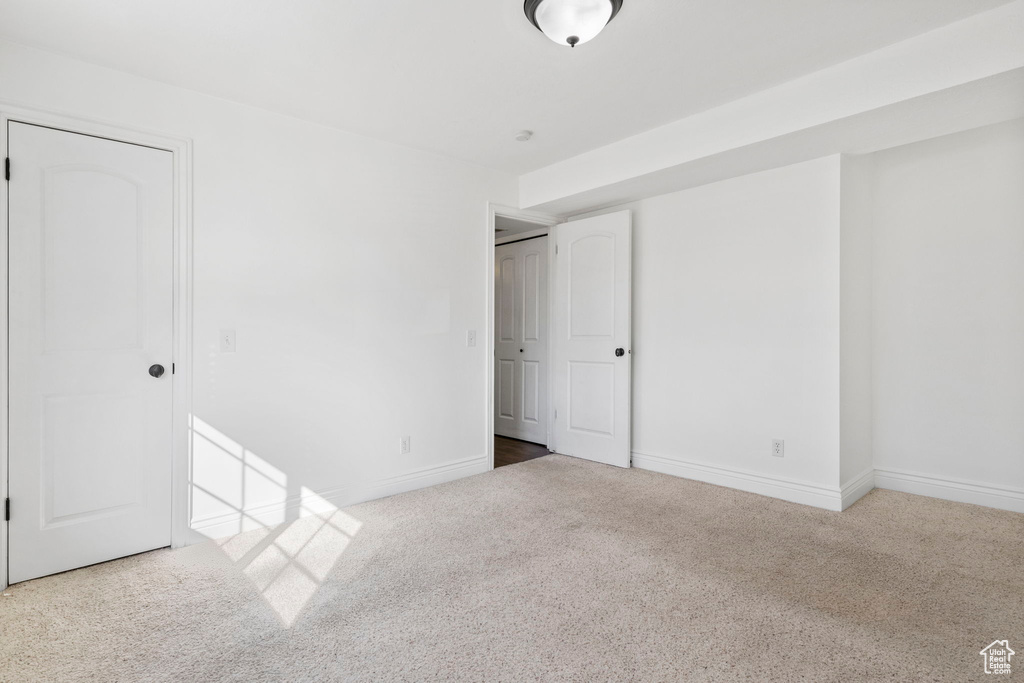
778	448
227	341
471	338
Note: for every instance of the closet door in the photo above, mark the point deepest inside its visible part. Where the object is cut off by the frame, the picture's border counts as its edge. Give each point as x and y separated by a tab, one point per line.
520	340
90	306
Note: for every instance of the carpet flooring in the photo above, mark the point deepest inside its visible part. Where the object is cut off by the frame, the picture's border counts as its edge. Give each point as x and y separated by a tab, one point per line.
554	569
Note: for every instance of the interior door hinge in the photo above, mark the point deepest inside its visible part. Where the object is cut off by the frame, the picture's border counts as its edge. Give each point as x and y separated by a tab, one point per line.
7	168
7	509
172	368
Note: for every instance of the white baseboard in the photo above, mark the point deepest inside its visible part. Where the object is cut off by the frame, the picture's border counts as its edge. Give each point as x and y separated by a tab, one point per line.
328	500
523	436
428	476
1003	498
1000	497
787	489
859	487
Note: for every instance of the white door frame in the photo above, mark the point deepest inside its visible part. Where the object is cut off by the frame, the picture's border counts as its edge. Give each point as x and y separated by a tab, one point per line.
181	379
542	219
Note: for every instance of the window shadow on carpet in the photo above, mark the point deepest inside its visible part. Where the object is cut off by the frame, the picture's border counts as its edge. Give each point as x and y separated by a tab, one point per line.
285	546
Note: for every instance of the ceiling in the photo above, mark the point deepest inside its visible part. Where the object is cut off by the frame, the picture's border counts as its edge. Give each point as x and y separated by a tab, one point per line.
506	226
460	77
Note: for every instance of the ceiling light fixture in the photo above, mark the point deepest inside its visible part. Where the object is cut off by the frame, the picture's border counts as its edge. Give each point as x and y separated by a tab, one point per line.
571	22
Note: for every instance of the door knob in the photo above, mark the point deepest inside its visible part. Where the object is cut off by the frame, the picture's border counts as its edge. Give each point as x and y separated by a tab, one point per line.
156	370
620	351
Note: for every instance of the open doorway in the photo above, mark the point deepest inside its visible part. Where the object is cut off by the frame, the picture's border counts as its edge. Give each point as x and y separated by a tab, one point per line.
560	335
520	404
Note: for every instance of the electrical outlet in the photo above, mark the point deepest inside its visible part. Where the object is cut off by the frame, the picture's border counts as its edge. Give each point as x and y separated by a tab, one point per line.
471	338
778	448
406	444
227	341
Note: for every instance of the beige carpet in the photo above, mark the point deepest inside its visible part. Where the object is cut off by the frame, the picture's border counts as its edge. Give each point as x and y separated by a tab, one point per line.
555	569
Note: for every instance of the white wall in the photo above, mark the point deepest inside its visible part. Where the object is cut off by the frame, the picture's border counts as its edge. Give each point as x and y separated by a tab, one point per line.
351	270
736	329
948	329
868	310
855	361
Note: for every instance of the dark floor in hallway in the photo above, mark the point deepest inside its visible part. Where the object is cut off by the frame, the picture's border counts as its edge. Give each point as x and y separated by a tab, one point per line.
510	451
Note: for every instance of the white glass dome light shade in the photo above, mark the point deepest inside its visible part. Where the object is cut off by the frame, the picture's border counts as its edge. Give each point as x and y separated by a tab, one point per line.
562	20
571	22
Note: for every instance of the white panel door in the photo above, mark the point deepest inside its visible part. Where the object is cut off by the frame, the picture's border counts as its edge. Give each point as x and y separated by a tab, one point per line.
90	309
591	338
521	340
